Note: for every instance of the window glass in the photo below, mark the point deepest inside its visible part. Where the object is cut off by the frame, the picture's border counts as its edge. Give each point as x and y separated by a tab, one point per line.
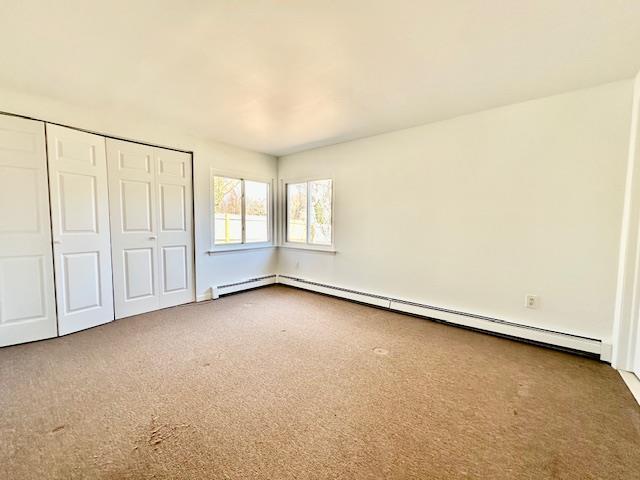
228	210
320	212
256	198
297	212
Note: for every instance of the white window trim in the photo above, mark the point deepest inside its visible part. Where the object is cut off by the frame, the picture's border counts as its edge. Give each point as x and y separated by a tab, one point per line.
309	246
214	249
283	215
239	247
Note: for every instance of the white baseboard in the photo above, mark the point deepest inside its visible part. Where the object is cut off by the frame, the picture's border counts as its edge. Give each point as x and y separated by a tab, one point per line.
504	328
204	297
335	292
246	284
632	382
606	354
491	325
213	293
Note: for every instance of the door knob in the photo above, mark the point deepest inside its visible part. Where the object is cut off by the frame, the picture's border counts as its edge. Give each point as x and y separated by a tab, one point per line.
152	237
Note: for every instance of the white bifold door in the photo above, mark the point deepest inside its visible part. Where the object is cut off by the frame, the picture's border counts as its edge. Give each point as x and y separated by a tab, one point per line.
151	227
80	226
27	299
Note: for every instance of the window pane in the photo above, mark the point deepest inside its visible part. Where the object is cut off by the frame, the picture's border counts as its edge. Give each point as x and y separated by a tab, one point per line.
320	212
256	198
228	210
297	212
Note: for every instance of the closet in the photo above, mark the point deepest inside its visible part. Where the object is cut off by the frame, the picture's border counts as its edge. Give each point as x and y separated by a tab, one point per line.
151	227
92	229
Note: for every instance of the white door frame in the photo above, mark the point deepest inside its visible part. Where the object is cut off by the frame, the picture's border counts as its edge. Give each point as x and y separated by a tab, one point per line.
626	327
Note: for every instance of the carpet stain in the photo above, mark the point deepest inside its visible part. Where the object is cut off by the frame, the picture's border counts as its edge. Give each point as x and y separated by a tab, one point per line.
160	432
380	351
523	389
58	428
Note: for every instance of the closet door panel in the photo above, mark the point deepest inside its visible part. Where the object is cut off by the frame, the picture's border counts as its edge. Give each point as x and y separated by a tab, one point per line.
81	233
175	232
27	293
133	209
139	273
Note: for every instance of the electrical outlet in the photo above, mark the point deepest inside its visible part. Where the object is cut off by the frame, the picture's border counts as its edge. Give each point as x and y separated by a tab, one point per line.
531	301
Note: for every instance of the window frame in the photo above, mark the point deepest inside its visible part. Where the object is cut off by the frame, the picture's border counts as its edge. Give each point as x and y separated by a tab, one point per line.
243	245
285	215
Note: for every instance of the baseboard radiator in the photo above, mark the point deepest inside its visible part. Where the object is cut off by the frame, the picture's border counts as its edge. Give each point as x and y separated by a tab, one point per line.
583	345
221	290
587	346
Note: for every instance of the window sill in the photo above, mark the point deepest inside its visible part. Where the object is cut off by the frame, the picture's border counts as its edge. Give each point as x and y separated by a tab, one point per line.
239	248
312	248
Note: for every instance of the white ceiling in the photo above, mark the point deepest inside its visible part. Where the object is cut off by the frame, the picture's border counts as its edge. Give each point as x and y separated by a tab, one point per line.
280	76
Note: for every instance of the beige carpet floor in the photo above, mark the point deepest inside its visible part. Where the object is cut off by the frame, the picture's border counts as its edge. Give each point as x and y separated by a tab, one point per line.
278	383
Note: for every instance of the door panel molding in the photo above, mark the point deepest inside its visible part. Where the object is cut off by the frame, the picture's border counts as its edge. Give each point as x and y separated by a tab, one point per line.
77	267
139	273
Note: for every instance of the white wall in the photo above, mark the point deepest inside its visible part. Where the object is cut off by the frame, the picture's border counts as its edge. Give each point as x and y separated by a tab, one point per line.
476	212
207	154
470	213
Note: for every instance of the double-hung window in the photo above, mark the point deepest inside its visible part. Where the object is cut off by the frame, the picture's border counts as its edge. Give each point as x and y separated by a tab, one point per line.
309	212
242	211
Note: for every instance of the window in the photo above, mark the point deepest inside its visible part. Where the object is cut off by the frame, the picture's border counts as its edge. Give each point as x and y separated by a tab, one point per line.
309	212
241	211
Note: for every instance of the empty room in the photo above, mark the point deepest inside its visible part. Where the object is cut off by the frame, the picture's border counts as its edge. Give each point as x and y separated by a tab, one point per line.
356	239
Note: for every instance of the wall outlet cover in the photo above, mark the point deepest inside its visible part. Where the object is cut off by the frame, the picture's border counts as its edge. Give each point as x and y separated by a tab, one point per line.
531	301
